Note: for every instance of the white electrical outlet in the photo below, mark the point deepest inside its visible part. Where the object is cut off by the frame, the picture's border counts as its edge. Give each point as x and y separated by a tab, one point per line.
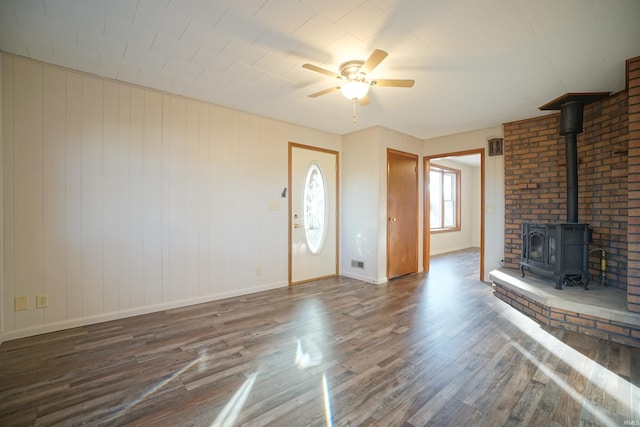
42	301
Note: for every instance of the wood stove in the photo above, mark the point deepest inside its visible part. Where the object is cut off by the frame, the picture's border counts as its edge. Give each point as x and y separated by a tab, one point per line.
555	250
562	250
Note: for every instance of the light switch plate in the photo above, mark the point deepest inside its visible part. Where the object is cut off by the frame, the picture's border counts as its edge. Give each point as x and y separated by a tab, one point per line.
21	303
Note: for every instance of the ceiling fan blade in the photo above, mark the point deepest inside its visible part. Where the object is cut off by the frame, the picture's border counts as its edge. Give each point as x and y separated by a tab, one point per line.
374	59
320	70
365	101
323	92
394	83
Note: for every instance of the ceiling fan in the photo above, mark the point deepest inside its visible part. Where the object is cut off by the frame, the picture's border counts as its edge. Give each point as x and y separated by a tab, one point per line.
353	81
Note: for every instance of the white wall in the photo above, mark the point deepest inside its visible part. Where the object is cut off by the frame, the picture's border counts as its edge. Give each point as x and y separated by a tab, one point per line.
494	186
475	211
469	233
364	192
361	205
119	200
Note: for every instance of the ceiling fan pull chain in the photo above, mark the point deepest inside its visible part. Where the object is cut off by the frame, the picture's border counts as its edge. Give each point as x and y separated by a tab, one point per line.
354	110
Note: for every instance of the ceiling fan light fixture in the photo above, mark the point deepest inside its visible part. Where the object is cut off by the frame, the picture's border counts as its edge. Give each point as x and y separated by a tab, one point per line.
354	89
353	79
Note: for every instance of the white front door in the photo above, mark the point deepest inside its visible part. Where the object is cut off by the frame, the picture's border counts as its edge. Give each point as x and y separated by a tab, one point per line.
313	207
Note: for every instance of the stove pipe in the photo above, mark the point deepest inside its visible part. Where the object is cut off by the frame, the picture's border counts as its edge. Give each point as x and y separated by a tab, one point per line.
570	126
571	106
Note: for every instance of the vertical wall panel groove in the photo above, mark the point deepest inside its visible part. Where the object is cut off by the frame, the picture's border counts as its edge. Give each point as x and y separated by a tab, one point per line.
40	313
177	200
137	196
54	194
8	226
153	197
215	184
203	211
3	305
110	197
192	203
124	197
166	161
73	192
92	231
28	186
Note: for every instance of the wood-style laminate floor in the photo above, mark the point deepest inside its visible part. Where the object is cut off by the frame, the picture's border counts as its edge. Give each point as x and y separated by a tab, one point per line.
426	349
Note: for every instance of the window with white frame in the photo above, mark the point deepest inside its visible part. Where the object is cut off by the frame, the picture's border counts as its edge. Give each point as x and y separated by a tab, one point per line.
444	198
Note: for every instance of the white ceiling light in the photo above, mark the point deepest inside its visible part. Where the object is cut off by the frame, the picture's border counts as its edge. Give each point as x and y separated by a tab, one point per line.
354	89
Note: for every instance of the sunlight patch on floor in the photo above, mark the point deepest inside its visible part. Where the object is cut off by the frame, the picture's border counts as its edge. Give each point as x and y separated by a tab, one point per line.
230	412
625	394
155	389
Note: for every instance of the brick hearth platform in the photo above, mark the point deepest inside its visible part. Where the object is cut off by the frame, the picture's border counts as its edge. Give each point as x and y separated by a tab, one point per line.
600	311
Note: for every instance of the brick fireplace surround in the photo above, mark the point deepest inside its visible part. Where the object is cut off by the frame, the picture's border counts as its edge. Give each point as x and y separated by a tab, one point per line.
609	201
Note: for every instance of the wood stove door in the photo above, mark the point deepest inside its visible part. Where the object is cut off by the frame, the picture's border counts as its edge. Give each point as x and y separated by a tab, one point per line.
536	247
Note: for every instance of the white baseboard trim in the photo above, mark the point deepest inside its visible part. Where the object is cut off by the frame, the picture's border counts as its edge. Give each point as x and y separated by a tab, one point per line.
74	323
449	250
367	279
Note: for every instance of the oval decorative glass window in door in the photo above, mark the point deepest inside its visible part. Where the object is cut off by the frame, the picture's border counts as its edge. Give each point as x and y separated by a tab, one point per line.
315	209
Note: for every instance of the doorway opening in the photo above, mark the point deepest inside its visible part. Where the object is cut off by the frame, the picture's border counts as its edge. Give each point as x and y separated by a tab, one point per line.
465	209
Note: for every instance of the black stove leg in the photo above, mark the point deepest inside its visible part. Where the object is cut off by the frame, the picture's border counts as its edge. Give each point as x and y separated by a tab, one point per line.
559	283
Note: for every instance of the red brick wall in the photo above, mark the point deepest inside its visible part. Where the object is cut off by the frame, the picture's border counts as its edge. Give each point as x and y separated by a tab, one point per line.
603	183
608	175
633	272
535	181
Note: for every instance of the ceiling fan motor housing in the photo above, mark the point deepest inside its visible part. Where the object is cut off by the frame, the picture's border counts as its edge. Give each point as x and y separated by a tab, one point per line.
351	70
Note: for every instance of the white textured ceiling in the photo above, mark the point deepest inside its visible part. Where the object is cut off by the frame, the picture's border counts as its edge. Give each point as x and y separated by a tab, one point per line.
476	63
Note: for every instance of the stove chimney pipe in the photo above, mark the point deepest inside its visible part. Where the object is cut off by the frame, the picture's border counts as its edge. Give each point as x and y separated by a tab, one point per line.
570	127
571	106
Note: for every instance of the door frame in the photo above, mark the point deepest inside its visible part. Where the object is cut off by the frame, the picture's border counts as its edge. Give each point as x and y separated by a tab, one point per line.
427	203
293	145
417	213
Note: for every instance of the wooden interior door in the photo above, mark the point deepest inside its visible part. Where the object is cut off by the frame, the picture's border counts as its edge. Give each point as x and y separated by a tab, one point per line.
402	213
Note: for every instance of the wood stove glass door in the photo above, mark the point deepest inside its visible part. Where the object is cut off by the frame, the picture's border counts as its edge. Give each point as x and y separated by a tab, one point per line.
536	247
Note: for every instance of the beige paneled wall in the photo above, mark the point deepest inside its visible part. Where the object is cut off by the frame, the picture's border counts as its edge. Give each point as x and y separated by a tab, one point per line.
3	299
119	200
361	209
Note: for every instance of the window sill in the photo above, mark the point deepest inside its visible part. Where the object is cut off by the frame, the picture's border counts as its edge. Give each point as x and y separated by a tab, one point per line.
444	230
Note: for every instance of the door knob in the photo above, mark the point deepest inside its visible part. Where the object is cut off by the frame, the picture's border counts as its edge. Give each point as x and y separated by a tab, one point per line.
392	218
